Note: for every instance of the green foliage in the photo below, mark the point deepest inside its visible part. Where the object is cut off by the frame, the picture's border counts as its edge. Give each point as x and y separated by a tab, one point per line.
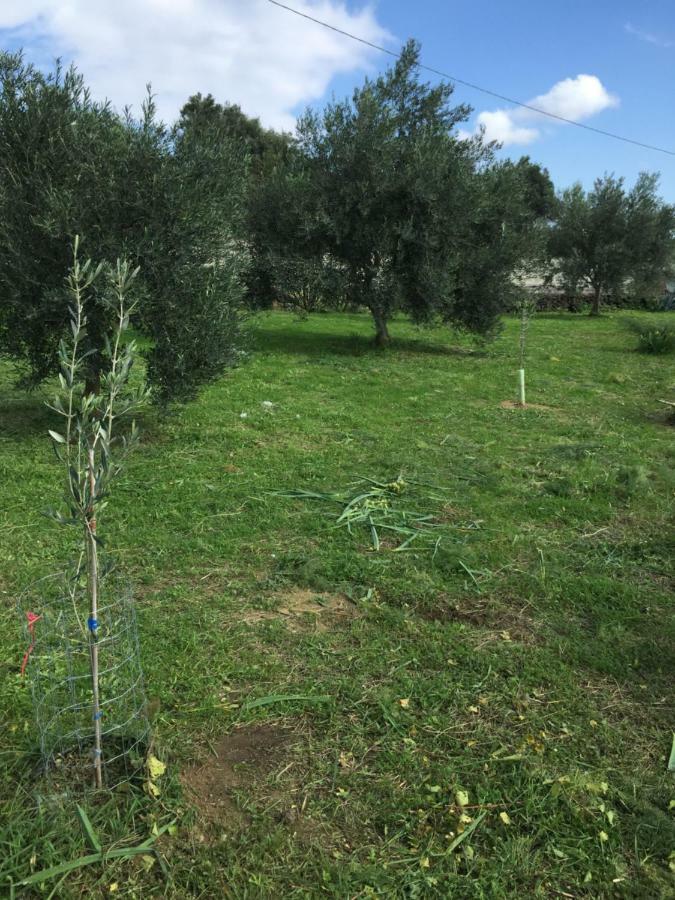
88	444
134	190
653	337
413	218
89	447
192	257
611	240
267	201
390	180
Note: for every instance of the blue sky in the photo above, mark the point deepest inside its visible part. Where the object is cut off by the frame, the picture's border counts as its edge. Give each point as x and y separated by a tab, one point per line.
522	48
274	64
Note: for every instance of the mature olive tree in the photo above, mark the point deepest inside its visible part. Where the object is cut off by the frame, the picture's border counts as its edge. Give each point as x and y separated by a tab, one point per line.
130	189
608	238
410	217
393	182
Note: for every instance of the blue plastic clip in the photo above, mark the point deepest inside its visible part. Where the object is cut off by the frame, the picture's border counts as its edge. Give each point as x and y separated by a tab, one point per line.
92	623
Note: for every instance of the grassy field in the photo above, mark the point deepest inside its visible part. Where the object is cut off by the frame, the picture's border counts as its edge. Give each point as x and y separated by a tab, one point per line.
487	713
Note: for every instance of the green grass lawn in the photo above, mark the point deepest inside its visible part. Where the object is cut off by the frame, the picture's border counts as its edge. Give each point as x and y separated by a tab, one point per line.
490	709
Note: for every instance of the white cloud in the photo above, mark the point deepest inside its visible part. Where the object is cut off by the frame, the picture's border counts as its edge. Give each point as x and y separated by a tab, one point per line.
244	51
572	98
501	126
657	39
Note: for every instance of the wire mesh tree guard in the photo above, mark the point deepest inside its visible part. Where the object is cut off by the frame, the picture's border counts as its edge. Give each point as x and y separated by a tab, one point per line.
76	731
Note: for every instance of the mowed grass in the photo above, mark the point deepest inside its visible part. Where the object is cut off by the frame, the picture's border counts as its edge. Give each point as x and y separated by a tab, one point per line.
487	715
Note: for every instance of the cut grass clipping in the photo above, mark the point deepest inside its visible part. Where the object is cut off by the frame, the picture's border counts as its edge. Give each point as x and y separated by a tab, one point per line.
384	508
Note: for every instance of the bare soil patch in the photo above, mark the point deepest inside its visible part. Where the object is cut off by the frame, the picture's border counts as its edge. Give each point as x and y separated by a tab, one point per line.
304	610
511	404
497	621
240	759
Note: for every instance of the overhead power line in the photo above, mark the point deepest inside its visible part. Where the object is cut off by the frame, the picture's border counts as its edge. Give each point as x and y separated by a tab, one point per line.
476	87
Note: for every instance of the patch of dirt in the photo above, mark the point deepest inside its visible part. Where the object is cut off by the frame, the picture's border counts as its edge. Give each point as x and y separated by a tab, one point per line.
238	761
498	622
511	404
304	610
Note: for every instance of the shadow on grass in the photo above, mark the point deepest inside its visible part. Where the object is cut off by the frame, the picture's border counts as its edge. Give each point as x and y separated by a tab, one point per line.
296	340
22	415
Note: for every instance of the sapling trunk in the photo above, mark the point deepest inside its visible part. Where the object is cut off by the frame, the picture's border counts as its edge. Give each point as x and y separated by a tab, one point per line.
527	308
92	580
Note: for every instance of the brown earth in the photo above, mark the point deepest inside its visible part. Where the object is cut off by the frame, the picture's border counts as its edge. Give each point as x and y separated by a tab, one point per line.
305	610
239	760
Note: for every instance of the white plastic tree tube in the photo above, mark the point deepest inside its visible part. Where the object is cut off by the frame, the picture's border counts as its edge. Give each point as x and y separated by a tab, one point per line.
521	386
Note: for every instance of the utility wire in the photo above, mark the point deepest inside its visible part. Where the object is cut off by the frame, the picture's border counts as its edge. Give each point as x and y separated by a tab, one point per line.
476	87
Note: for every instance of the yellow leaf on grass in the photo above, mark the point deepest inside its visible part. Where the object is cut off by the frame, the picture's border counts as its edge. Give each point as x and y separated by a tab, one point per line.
346	759
504	816
152	788
603	836
113	887
404	703
156	767
462	798
424	862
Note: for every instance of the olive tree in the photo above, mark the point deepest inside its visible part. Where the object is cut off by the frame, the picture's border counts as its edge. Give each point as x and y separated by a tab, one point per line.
392	180
611	240
131	189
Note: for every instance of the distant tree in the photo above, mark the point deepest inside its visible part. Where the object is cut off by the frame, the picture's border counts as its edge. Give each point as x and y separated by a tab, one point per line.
70	166
393	186
608	237
504	233
268	194
651	237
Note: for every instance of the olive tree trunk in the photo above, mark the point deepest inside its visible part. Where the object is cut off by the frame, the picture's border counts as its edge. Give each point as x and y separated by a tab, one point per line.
382	338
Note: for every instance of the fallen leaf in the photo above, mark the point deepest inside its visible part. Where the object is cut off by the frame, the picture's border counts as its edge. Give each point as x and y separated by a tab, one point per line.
156	767
424	862
404	703
152	788
603	836
504	816
462	798
346	760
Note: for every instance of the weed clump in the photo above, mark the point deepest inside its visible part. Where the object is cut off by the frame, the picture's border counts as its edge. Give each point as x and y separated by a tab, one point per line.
653	338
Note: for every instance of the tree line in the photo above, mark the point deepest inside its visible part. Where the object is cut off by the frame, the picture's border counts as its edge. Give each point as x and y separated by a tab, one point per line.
374	203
